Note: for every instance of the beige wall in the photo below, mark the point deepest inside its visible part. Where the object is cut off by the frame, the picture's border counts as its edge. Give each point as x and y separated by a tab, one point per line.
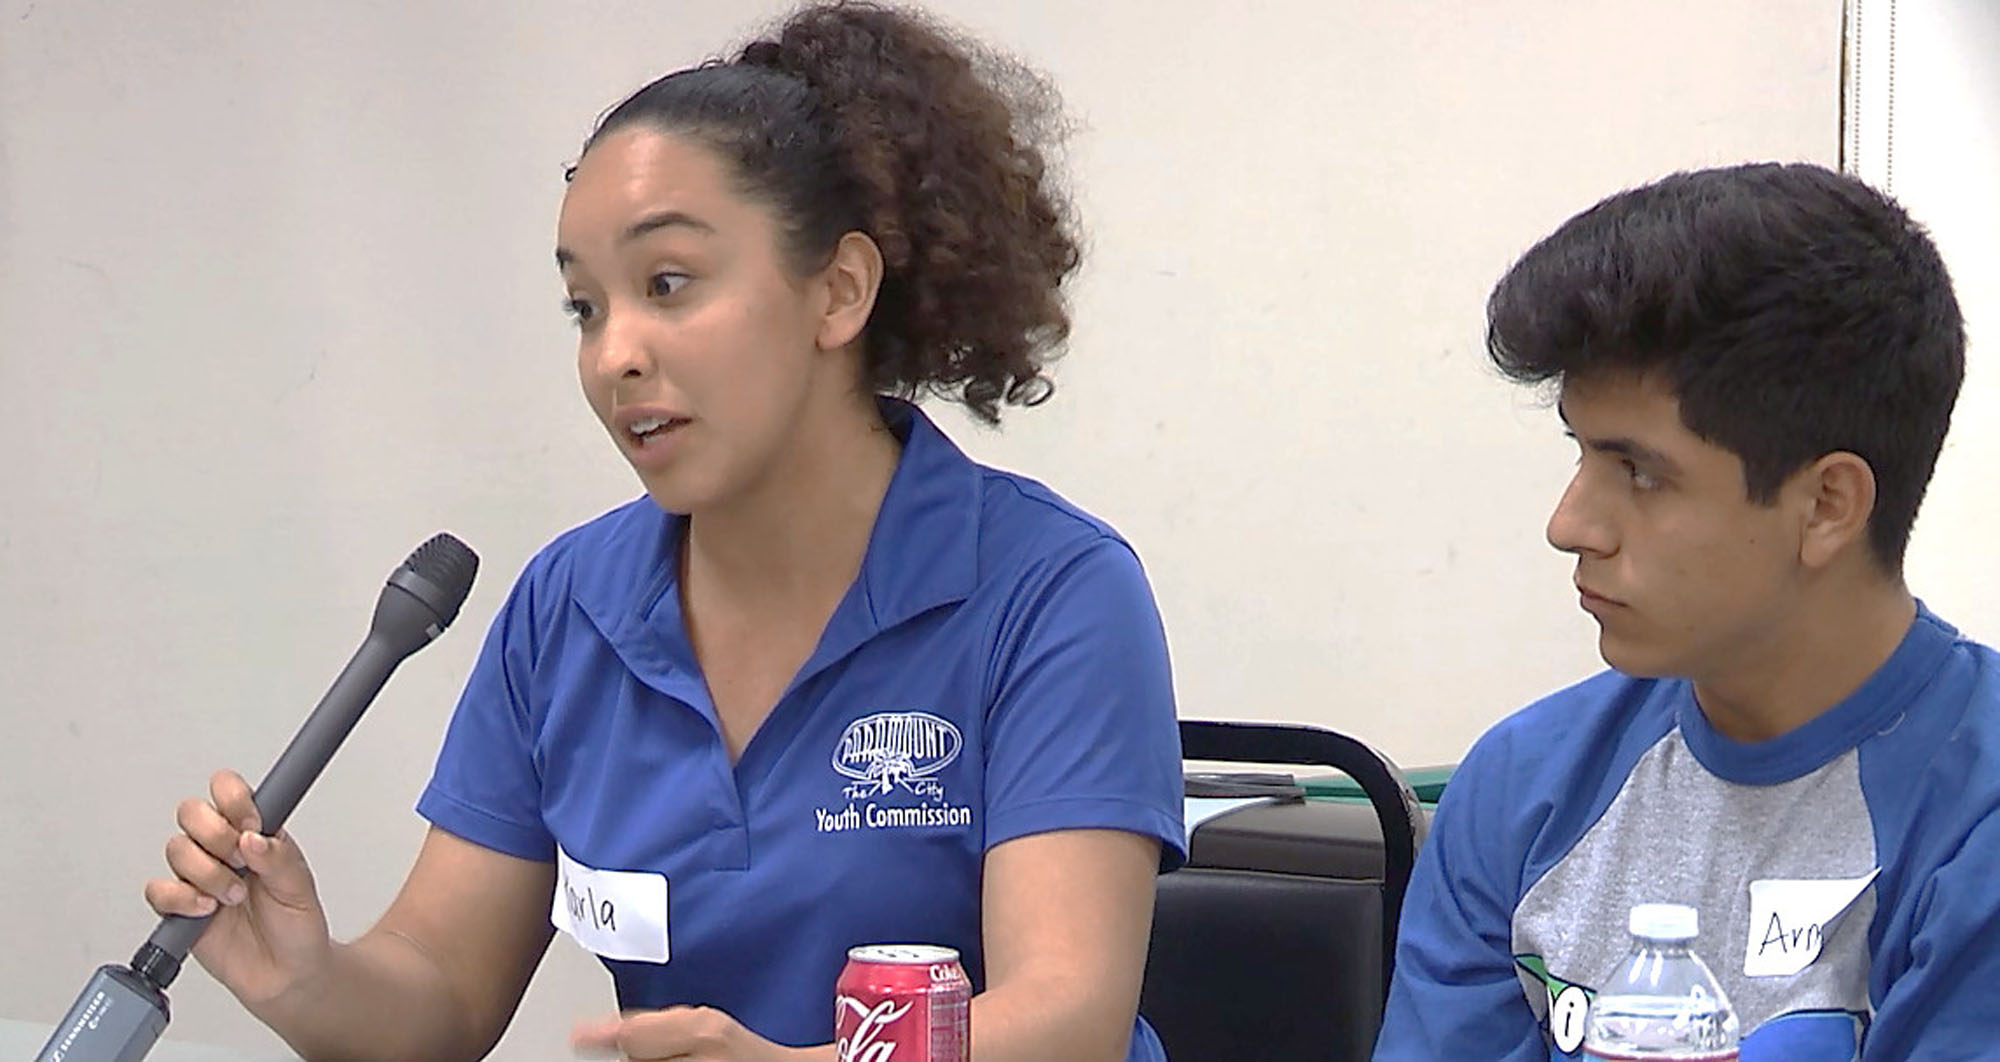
1924	123
276	303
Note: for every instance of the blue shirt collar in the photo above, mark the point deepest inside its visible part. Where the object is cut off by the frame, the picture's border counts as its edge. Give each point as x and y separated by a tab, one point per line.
924	550
1873	707
923	553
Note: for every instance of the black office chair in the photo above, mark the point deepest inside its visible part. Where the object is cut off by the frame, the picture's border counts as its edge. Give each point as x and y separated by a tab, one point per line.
1278	938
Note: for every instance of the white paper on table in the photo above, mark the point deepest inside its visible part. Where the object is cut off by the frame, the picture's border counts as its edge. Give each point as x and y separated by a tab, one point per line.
1202	809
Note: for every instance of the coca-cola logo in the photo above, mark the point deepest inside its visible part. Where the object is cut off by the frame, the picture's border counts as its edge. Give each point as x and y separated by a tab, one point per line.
865	1042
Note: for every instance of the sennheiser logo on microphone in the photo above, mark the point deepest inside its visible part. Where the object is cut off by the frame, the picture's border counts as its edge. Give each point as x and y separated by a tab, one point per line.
92	1014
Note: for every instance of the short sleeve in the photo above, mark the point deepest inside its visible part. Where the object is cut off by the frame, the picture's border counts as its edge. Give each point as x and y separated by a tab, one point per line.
486	787
1455	993
1081	733
1939	1000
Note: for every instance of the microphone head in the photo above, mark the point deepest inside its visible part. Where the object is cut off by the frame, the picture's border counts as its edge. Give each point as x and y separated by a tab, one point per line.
422	597
443	570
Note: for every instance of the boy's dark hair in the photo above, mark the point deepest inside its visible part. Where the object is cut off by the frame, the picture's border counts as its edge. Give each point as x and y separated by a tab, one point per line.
1794	311
856	117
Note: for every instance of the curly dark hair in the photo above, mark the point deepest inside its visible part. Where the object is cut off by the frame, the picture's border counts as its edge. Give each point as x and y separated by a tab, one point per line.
1795	311
857	117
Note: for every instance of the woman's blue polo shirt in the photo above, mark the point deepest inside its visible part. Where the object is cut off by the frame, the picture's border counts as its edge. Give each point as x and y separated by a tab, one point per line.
997	669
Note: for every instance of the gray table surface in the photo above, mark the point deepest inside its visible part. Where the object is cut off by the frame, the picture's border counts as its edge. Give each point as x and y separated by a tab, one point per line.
21	1039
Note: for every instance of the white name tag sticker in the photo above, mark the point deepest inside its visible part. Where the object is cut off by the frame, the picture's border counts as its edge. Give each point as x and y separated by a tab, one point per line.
1789	920
618	914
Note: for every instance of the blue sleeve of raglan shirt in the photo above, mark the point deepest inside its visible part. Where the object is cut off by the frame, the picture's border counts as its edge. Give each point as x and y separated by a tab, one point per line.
486	787
1941	1004
1081	732
1455	994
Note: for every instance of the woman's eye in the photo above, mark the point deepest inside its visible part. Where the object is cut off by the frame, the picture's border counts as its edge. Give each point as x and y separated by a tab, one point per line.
665	284
578	310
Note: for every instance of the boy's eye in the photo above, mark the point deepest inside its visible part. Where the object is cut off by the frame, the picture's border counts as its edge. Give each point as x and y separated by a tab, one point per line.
1640	478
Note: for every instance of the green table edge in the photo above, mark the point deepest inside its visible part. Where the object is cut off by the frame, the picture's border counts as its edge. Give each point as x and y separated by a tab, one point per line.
1428	782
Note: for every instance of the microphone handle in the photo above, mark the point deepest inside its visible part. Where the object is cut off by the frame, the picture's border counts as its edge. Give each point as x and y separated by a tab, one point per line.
159	959
329	724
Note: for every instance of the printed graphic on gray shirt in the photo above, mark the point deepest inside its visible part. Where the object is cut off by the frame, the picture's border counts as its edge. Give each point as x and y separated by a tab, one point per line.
1782	877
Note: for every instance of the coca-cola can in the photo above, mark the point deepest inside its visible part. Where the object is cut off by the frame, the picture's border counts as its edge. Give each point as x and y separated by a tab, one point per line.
902	1003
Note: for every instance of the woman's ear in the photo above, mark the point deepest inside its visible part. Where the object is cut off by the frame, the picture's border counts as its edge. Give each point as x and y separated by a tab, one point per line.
851	279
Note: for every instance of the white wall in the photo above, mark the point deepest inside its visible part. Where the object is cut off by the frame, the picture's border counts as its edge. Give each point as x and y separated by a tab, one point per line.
1923	122
276	303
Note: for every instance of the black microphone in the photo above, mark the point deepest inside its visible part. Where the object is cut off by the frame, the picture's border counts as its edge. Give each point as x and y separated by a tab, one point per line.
123	1010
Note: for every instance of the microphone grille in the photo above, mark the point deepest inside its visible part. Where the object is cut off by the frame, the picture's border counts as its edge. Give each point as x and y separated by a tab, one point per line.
448	564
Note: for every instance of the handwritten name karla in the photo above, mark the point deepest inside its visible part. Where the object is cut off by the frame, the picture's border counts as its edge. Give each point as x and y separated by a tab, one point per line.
585	907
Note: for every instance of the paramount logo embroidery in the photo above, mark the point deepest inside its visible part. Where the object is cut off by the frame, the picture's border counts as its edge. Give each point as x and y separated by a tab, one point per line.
890	758
890	749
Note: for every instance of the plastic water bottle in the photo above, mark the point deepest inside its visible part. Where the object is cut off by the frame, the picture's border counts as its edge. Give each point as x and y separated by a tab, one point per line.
1661	1002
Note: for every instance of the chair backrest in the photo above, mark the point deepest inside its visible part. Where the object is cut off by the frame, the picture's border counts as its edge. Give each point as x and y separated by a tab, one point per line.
1248	965
1259	953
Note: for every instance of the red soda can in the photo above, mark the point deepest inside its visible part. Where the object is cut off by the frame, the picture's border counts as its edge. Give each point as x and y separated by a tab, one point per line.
902	1003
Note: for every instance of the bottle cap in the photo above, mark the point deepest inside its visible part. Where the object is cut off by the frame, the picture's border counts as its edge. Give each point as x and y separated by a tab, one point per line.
1665	921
